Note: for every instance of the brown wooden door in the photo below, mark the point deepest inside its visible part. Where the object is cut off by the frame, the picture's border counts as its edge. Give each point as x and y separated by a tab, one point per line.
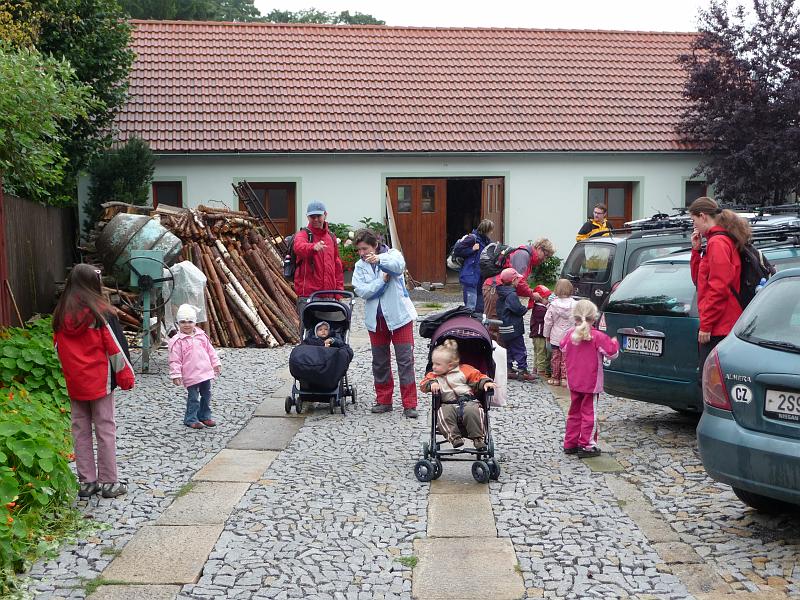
420	211
617	196
278	200
492	205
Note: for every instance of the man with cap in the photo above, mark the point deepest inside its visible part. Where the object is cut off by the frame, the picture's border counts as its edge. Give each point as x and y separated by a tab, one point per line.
319	266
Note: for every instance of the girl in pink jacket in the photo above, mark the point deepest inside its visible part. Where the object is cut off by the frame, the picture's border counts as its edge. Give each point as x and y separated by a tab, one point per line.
557	321
193	363
584	349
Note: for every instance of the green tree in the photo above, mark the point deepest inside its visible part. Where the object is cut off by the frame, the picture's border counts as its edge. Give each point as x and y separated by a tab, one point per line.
94	37
123	175
39	97
238	10
312	15
18	23
743	85
178	10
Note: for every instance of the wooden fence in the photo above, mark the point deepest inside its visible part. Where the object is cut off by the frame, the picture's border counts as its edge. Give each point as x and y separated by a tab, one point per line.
37	245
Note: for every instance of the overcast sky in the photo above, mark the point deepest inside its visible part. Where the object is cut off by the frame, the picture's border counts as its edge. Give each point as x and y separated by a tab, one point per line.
640	15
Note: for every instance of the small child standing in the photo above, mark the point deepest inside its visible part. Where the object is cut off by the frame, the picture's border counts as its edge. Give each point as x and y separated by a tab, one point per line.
512	332
584	349
94	358
457	384
556	323
193	363
541	357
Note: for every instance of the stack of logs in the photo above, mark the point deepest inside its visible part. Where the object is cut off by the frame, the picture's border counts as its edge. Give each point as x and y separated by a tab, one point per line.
247	298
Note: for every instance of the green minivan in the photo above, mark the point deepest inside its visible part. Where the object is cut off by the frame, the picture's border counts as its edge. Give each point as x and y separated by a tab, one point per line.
653	315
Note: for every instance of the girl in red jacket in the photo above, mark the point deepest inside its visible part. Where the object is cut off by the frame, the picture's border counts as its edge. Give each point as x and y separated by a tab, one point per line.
94	358
716	271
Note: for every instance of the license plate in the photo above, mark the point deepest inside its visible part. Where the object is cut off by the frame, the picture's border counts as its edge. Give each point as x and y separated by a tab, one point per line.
642	345
783	405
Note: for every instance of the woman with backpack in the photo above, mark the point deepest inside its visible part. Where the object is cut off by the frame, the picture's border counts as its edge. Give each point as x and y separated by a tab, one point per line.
469	248
716	271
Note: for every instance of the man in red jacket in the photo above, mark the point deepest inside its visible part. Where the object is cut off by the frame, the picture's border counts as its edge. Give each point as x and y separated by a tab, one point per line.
318	264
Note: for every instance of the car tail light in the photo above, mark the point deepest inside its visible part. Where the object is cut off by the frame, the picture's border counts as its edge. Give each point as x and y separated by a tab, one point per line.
601	325
714	392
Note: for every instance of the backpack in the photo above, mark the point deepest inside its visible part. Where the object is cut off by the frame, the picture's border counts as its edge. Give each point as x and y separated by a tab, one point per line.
493	257
290	260
456	262
755	267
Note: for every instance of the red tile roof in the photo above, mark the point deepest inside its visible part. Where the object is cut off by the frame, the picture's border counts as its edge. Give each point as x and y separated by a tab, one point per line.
225	87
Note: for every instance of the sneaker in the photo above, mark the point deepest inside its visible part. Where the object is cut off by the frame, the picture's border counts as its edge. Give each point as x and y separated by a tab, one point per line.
88	489
589	452
209	422
411	413
112	490
457	442
195	425
572	450
382	408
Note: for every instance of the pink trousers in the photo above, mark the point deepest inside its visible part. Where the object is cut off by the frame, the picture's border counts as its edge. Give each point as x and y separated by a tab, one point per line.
101	413
581	430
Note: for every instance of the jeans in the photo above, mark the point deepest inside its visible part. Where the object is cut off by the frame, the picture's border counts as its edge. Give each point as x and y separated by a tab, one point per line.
470	296
198	409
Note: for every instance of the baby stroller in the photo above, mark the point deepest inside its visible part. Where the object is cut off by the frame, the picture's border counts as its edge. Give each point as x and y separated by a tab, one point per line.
320	373
475	348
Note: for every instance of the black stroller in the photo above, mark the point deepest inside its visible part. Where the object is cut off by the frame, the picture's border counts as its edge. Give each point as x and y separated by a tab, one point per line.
320	373
475	348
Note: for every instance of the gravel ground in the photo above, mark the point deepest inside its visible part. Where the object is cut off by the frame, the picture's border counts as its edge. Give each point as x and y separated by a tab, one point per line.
341	503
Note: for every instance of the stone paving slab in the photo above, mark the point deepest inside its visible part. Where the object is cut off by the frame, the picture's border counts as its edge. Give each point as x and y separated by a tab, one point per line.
462	515
701	579
164	554
639	509
603	464
136	592
275	407
676	553
266	433
236	465
457	479
208	503
457	569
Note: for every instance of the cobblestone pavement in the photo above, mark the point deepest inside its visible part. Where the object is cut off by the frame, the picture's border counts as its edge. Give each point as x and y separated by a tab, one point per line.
340	504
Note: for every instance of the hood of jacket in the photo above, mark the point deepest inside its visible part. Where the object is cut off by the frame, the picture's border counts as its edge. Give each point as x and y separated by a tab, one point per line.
563	307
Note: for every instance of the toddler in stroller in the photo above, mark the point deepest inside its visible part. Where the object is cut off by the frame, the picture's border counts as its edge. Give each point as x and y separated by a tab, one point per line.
319	364
462	347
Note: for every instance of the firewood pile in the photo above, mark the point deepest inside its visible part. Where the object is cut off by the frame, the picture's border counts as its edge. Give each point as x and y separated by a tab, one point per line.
247	298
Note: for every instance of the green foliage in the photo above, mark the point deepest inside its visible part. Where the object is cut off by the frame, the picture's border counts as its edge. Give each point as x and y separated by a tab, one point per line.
312	15
192	10
347	251
18	23
376	226
123	175
38	96
407	561
36	483
546	273
94	36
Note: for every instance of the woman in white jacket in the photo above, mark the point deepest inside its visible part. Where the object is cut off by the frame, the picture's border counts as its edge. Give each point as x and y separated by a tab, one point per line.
556	323
378	278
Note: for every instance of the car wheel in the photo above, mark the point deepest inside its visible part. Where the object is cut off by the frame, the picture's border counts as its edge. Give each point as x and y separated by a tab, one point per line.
763	503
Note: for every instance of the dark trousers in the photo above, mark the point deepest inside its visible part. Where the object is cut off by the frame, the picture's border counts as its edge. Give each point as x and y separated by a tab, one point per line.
703	350
198	402
517	353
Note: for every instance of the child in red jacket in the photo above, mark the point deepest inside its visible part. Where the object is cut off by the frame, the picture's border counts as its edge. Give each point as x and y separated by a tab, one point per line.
94	358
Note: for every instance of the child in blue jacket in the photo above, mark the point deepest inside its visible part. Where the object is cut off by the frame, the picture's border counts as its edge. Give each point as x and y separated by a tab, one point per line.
512	332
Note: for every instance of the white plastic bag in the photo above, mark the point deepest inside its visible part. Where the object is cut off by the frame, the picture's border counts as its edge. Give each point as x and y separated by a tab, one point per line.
189	288
500	375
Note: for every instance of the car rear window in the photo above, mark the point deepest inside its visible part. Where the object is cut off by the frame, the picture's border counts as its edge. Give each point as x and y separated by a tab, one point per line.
644	254
774	316
655	289
590	262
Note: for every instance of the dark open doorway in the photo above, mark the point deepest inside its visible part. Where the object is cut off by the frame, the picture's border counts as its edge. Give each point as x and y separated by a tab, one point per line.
463	211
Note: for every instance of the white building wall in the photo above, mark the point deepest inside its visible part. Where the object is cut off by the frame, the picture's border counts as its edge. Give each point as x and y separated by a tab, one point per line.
545	193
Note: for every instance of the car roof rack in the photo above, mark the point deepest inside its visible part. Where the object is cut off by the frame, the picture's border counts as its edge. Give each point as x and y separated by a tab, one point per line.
778	234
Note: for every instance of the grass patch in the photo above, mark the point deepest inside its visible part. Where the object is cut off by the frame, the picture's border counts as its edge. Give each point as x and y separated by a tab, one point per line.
433	305
407	561
91	585
621	503
185	489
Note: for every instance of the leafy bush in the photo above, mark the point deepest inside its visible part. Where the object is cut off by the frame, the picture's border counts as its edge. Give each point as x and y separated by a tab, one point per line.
36	483
546	273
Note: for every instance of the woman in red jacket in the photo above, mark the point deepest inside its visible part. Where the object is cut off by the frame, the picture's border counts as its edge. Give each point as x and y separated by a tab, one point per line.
716	271
94	357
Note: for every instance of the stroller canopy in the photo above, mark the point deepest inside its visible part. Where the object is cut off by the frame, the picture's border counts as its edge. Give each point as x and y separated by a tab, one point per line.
474	342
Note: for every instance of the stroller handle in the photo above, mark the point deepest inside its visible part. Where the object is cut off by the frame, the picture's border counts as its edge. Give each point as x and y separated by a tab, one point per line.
345	293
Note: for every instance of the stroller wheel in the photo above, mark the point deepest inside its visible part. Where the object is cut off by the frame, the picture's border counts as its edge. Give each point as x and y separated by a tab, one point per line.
480	471
424	470
342	402
494	469
437	468
298	405
353	394
426	449
288	404
332	404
